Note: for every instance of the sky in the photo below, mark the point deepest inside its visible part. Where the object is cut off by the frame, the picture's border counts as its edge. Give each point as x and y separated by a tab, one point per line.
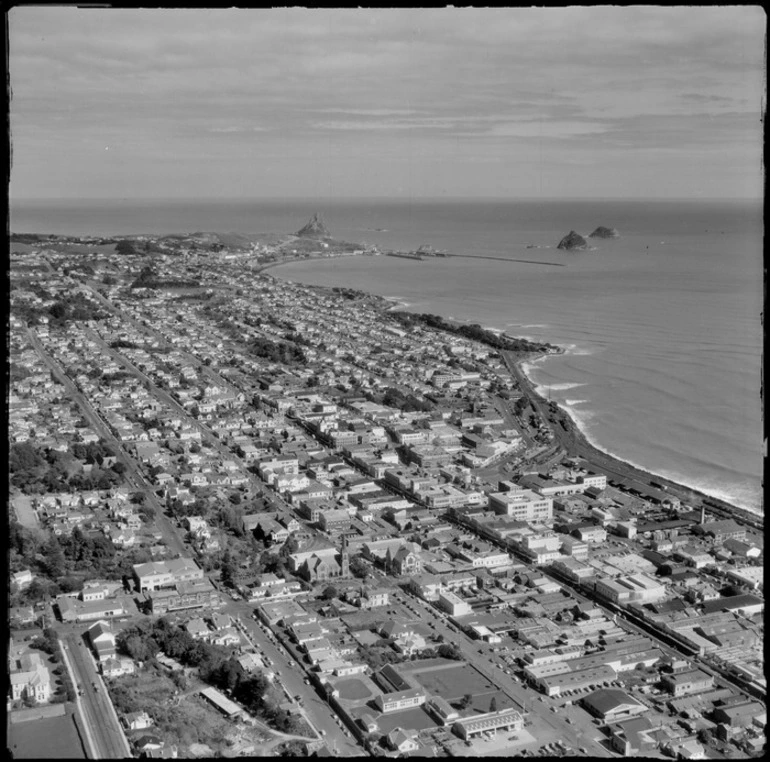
596	102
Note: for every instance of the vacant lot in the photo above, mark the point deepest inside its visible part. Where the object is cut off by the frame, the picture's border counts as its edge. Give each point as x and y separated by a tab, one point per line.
49	738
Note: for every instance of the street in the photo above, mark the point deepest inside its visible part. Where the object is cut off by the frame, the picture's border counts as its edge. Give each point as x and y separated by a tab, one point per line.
318	712
104	736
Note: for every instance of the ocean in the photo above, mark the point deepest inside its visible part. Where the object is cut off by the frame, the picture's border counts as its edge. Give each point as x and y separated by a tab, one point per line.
662	326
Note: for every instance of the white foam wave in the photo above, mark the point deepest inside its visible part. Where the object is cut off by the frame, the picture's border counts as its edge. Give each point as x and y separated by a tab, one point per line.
398	302
745	499
561	387
576	349
575	402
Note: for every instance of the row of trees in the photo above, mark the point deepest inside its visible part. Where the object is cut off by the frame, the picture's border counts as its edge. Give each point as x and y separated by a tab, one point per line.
471	331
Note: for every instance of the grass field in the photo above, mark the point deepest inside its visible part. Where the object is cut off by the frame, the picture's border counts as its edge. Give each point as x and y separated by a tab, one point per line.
49	738
353	689
416	719
453	682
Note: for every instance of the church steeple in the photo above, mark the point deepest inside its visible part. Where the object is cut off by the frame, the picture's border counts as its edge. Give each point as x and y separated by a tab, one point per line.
345	558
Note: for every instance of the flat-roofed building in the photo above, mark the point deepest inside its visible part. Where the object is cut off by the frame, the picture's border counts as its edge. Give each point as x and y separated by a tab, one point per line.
197	593
506	719
684	683
522	505
631	588
573	569
453	604
159	574
557	684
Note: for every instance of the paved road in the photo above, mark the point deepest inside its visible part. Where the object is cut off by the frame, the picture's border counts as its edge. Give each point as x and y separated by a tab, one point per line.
320	715
104	735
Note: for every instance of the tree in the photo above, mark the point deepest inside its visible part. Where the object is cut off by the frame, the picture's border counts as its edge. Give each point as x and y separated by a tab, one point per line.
329	593
466	701
55	562
125	247
359	568
450	651
228	569
493	704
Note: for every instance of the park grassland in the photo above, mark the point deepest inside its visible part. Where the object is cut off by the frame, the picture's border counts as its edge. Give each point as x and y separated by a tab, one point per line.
46	738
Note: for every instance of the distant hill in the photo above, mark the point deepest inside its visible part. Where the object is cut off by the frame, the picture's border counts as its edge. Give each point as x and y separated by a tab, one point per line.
314	229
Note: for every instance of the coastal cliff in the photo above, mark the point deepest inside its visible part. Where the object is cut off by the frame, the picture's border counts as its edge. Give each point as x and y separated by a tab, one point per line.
314	229
602	232
573	242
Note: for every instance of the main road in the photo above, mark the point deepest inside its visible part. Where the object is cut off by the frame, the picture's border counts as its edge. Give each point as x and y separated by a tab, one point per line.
104	736
316	710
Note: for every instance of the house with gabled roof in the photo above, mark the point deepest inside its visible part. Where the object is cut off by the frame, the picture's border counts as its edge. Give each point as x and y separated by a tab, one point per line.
102	639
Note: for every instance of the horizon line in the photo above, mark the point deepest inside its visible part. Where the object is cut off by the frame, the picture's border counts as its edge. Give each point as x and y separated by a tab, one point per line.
59	199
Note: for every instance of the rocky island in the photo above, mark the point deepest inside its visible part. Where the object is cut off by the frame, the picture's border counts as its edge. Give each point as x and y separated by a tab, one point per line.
573	242
314	229
602	232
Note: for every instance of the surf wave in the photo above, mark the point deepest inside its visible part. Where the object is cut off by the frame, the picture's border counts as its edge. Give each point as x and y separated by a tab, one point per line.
562	387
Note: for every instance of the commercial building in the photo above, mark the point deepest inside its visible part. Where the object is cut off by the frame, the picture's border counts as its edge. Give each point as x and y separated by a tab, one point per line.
505	719
612	704
452	604
684	683
634	588
522	505
197	593
159	574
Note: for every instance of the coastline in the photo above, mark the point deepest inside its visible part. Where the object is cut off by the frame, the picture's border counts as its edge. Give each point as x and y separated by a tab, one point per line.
567	430
576	443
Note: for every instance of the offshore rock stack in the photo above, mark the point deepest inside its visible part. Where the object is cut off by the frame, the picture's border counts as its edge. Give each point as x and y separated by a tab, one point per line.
314	229
602	232
573	242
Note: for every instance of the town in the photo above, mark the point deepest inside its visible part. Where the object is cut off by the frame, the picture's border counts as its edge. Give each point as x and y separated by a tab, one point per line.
251	517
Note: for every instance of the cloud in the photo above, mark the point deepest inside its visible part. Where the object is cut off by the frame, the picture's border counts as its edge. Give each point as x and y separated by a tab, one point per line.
221	82
238	129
